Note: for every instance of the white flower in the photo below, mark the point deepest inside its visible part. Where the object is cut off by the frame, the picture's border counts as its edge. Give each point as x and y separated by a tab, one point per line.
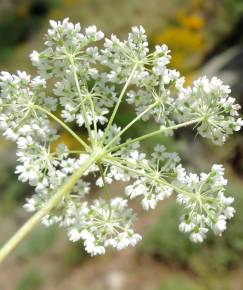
92	33
35	57
185	227
220	225
100	183
30	205
198	236
149	202
135	239
94	250
229	212
74	235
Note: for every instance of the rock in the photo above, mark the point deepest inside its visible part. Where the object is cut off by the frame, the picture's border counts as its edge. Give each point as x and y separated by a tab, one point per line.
115	280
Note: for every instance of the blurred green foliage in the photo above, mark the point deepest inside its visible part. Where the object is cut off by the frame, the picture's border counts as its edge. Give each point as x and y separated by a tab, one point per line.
12	191
216	255
74	254
178	281
39	242
30	280
18	24
183	281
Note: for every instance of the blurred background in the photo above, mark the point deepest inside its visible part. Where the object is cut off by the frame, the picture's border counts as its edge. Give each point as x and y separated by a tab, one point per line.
205	37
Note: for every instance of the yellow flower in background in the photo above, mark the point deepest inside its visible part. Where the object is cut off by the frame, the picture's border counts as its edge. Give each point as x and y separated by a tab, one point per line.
68	140
23	10
70	2
56	14
186	37
194	21
187	46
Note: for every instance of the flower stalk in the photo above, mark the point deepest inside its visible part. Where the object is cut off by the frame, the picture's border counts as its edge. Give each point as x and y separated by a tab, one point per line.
67	128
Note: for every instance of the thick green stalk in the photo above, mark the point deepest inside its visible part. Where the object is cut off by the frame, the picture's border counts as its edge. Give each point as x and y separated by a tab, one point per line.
51	204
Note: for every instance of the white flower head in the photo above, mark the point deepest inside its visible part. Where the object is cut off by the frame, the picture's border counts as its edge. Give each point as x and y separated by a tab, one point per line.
90	80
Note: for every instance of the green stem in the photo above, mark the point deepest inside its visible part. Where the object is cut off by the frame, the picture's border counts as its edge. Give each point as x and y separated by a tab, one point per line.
131	123
80	96
78	152
154	133
93	114
64	126
119	102
106	190
51	204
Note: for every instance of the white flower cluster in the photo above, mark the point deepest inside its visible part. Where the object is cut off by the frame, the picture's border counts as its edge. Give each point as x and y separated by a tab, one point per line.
162	164
19	96
63	40
155	88
207	208
89	84
102	224
121	56
210	100
47	171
